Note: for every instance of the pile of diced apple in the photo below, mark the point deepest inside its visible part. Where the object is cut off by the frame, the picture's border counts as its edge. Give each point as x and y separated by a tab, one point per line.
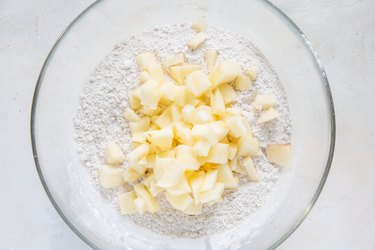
188	141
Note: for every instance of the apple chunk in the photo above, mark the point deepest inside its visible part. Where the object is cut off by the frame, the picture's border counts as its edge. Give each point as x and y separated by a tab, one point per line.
279	154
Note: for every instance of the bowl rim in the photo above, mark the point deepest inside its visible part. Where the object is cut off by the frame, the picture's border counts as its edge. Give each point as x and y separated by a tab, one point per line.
326	86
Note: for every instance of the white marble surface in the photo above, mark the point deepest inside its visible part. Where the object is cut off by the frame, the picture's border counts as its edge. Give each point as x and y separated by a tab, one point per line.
343	33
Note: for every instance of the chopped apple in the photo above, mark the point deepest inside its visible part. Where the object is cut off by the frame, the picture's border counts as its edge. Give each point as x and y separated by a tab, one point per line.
184	136
248	165
237	126
252	74
185	155
164	120
169	91
188	113
210	180
214	194
226	177
135	99
134	156
172	172
113	154
198	26
197	40
179	202
126	201
224	72
193	209
175	112
179	72
203	114
202	147
173	60
248	145
151	111
162	138
140	126
150	95
131	175
156	72
167	154
236	167
131	116
267	115
218	154
151	185
144	76
232	152
197	83
204	132
110	177
196	181
139	137
142	192
228	92
264	101
217	103
180	98
140	205
243	82
146	59
210	57
180	188
220	129
279	154
138	167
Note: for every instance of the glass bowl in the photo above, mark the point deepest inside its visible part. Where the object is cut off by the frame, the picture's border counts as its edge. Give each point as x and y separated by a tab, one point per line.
92	35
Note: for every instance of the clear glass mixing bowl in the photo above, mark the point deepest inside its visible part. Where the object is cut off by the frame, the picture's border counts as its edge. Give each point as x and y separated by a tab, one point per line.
93	34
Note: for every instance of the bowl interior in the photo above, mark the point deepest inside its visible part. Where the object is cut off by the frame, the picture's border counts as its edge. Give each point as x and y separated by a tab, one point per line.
93	36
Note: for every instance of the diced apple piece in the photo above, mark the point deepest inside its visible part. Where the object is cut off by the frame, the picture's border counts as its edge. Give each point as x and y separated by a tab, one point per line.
193	209
151	111
184	136
172	172
179	72
210	57
140	205
204	132
144	60
131	116
151	185
139	168
139	137
267	115
264	101
167	154
279	154
248	145
175	112
226	177
162	138
156	72
144	76
135	99
203	114
243	82
220	129
202	147
141	126
217	103
210	180
164	120
113	154
252	74
188	113
248	165
224	72
131	175
142	192
196	181
134	156
110	176
228	92
186	157
236	167
169	91
180	188
150	94
173	60
179	202
218	154
197	40
232	150
197	83
126	201
180	98
214	194
198	26
237	126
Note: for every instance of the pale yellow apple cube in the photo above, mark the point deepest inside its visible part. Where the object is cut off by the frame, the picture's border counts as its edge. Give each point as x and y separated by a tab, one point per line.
172	172
183	187
279	154
228	92
243	82
232	152
144	76
144	60
162	138
210	58
197	83
131	116
130	175
252	73
197	40
135	155
156	72
110	176
140	205
236	167
173	60
193	209
139	137
225	176
196	181
203	114
218	154
164	120
204	132
179	202
150	94
268	115
126	201
237	126
224	72
179	72
202	147
249	166
135	99
169	90
198	25
248	145
212	195
220	129
142	192
264	101
188	113
113	154
210	180
217	103
140	126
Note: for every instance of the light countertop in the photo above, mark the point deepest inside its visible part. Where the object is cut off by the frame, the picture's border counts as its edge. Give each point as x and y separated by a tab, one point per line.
342	32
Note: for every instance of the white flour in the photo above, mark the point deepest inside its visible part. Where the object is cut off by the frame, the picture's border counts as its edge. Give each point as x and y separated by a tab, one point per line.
99	120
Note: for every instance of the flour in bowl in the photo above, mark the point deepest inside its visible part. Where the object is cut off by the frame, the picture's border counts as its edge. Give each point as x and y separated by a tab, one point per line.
100	119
